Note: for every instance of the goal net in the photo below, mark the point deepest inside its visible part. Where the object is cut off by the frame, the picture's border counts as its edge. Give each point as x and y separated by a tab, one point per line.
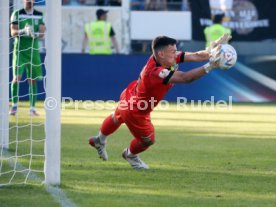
29	144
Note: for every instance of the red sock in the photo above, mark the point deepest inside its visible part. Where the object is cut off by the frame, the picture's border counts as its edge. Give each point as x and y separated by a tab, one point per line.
109	126
136	146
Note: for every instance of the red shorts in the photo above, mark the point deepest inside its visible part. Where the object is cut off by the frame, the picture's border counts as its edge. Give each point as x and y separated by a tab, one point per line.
138	123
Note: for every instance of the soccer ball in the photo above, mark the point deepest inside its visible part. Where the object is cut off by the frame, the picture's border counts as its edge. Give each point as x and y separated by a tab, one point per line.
228	57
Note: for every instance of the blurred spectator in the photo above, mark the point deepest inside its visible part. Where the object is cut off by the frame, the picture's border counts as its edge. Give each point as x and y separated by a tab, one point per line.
156	5
88	2
115	2
102	2
91	2
137	5
79	2
185	5
66	2
99	35
174	5
108	2
216	30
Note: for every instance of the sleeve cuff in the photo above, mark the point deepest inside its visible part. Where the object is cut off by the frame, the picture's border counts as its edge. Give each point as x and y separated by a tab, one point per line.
166	80
182	57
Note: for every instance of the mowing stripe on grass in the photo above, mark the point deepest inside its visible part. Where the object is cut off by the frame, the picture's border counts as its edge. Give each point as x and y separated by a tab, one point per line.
58	195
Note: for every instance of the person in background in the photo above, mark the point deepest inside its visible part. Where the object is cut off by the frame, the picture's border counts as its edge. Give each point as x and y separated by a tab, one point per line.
26	27
156	5
174	5
185	6
115	2
137	5
102	2
100	36
216	30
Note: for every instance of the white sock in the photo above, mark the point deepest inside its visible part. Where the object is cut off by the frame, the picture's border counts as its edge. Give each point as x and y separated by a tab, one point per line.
14	105
102	138
129	152
32	108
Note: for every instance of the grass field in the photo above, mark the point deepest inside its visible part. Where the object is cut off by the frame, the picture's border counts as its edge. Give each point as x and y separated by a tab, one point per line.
201	158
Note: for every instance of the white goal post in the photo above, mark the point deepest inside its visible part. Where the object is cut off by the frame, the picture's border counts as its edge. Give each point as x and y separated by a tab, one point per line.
53	92
4	74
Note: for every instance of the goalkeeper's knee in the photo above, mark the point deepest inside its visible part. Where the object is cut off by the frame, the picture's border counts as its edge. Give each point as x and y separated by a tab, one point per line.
147	141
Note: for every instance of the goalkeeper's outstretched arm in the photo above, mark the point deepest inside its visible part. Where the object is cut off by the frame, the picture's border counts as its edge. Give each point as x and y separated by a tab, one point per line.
194	74
202	55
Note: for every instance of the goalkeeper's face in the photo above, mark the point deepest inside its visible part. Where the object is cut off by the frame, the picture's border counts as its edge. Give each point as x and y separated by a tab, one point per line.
169	55
28	4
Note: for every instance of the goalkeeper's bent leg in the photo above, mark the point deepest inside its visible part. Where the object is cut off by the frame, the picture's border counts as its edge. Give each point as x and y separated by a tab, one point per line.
109	126
138	145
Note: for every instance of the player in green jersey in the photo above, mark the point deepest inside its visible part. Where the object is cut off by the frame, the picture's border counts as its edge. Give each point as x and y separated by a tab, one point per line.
27	27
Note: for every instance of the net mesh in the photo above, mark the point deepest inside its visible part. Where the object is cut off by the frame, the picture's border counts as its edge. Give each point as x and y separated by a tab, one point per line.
23	161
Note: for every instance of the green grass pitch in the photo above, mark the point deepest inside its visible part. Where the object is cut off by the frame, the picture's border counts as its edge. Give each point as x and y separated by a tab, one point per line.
201	158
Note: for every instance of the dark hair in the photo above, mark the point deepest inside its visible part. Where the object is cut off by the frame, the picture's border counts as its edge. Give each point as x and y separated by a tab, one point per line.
100	12
160	42
218	18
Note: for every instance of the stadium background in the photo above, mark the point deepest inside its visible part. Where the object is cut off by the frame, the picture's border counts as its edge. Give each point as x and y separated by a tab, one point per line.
214	158
253	36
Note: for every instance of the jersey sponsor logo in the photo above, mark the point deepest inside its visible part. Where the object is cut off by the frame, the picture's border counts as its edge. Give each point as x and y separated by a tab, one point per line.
164	73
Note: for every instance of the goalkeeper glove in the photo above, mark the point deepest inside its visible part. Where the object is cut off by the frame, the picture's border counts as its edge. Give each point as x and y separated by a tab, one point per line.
27	31
222	40
214	59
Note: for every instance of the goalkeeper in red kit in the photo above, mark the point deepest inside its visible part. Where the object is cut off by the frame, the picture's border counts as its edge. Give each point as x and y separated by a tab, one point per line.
141	96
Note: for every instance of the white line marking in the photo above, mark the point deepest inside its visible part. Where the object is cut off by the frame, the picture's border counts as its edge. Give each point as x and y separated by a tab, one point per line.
261	58
258	77
250	95
58	195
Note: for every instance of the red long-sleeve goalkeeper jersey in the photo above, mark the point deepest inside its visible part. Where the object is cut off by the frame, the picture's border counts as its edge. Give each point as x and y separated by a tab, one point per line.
144	94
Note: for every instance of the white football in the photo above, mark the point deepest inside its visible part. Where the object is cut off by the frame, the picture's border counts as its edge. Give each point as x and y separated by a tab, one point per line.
228	57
